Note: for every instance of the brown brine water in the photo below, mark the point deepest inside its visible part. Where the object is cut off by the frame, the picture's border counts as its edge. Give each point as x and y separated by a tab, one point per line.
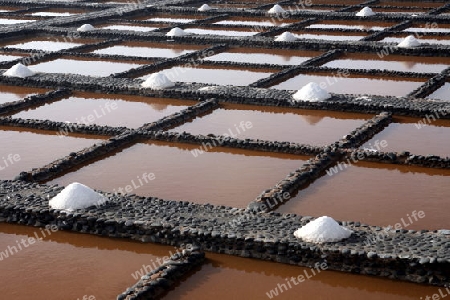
276	124
377	194
110	110
28	148
196	173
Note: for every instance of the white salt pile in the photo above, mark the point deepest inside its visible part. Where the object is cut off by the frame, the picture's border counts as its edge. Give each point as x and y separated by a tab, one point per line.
18	70
85	27
204	7
409	41
365	12
311	92
176	32
276	9
322	230
76	196
286	37
158	81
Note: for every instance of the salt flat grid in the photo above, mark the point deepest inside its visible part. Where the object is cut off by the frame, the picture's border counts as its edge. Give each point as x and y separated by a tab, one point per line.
62	30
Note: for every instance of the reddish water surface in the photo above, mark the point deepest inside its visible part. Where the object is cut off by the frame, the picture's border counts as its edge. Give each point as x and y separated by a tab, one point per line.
423	28
143	49
417	64
418	136
215	75
24	149
111	110
15	93
412	3
220	176
65	265
141	28
224	31
228	277
423	39
86	66
53	43
331	36
265	21
354	84
172	18
443	93
351	24
377	194
276	124
265	56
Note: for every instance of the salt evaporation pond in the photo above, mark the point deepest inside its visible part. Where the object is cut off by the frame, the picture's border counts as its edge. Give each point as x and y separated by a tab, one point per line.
50	44
261	21
229	177
329	36
215	75
225	32
139	28
220	272
442	94
29	148
7	57
14	93
355	84
351	24
265	56
354	194
418	136
110	263
277	124
145	49
85	66
110	110
4	21
392	62
433	40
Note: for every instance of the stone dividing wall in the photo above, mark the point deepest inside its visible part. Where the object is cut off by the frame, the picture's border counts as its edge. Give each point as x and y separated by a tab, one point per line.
415	256
157	282
10	107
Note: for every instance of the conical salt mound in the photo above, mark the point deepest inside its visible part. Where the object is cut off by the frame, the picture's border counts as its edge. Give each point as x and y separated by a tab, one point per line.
322	230
85	27
409	41
176	32
18	70
286	37
276	9
76	196
365	12
311	92
204	7
158	81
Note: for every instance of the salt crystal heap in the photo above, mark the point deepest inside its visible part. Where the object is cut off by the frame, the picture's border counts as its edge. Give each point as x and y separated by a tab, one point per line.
76	196
409	41
365	12
204	7
85	27
276	9
286	37
322	230
18	70
176	32
311	92
158	81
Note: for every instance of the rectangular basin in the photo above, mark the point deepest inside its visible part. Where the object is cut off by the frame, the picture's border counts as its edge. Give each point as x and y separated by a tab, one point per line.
441	94
265	56
354	84
110	110
51	44
351	24
215	75
224	32
15	93
276	124
27	148
377	194
392	62
423	39
230	177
